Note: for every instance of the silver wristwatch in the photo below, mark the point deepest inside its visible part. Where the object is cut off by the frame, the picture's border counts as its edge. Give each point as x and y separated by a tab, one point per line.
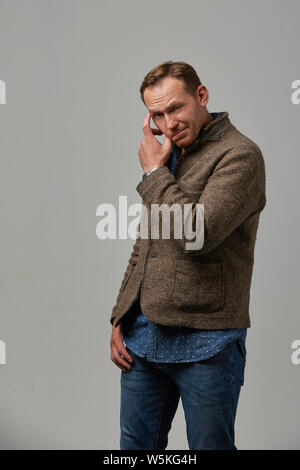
147	173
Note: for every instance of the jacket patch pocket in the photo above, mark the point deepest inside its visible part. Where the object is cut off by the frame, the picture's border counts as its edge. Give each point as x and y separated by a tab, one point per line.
198	286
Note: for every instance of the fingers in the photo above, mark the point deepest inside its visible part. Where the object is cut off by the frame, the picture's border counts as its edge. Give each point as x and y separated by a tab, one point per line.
121	357
146	125
167	145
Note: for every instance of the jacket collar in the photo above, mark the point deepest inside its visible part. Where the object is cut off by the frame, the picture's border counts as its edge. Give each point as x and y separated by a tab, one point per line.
213	131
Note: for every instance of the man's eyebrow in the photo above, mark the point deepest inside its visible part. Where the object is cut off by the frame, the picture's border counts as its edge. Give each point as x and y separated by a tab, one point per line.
174	103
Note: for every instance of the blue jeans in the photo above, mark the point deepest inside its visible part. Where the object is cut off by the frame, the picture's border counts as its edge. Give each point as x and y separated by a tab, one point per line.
209	390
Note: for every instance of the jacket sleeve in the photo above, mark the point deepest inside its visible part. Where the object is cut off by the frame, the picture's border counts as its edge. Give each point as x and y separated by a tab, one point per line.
131	263
234	191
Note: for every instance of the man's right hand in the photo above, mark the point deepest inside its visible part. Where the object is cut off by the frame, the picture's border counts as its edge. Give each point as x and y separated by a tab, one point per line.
118	349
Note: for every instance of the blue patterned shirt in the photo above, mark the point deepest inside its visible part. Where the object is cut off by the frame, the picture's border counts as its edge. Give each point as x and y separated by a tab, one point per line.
161	343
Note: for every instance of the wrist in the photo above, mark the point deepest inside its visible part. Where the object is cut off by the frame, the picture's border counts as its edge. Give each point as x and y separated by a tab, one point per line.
148	168
151	170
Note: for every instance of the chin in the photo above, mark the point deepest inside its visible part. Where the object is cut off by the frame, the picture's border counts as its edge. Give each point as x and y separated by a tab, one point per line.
184	142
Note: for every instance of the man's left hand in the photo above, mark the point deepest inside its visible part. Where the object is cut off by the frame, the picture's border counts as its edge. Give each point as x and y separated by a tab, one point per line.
151	152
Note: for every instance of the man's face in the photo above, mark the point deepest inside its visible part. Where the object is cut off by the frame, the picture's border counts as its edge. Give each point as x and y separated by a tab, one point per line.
175	112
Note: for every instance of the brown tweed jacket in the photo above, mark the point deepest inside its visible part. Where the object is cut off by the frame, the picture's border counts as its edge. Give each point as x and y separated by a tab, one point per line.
207	288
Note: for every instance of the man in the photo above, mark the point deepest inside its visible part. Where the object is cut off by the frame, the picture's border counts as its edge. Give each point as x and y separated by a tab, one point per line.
183	313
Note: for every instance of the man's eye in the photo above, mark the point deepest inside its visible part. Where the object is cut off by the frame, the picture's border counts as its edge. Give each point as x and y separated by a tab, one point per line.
175	107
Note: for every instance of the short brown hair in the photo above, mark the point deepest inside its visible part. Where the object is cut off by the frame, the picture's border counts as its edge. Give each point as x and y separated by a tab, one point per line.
180	70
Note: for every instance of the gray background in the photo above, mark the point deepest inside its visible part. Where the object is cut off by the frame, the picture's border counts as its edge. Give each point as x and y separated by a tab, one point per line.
69	134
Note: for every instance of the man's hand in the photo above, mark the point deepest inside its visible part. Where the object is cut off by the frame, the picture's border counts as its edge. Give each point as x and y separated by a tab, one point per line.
118	349
151	152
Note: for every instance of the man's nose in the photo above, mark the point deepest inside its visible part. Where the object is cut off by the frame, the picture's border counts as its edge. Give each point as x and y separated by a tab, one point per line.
171	123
